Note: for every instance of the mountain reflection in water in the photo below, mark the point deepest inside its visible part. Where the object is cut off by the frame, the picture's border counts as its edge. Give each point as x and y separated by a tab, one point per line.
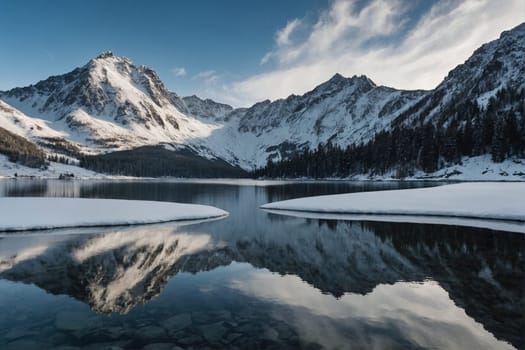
257	280
335	277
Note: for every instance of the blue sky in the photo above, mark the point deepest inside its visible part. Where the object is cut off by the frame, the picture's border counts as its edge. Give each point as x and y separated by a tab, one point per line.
241	51
226	36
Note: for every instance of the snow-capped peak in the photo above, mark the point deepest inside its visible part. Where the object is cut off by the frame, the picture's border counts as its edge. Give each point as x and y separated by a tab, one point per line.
108	103
105	54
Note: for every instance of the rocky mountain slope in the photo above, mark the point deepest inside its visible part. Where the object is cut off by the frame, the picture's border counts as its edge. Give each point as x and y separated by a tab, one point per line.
494	66
341	110
110	104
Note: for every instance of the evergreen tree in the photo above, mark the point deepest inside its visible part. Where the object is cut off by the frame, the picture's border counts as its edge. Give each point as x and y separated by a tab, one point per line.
499	142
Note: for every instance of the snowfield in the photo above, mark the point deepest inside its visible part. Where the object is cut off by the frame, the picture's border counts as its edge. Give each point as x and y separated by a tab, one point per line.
490	200
9	169
27	213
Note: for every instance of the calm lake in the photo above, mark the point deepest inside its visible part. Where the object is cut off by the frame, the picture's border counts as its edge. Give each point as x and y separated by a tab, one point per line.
256	280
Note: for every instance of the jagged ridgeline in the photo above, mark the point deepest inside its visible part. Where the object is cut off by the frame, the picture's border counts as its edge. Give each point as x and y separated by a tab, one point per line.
498	130
478	109
111	108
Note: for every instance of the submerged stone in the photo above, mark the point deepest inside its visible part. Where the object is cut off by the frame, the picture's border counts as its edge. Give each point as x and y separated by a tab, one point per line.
213	332
14	334
191	339
72	321
160	346
177	322
22	344
151	332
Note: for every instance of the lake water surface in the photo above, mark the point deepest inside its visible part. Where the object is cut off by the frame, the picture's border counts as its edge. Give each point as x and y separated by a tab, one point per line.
256	280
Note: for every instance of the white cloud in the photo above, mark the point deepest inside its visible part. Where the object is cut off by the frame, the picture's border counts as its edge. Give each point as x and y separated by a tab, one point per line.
208	76
319	317
179	71
283	35
266	57
378	41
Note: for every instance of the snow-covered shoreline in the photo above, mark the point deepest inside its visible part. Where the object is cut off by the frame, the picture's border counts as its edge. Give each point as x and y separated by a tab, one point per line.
42	213
470	169
494	201
9	169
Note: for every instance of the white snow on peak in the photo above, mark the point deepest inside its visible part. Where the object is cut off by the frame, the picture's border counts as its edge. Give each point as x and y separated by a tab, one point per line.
342	111
109	104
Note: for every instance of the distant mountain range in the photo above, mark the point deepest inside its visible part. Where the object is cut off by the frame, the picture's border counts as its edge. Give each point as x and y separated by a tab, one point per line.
111	105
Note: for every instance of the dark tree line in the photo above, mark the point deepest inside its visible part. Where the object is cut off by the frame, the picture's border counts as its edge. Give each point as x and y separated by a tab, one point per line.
19	150
58	159
465	130
156	161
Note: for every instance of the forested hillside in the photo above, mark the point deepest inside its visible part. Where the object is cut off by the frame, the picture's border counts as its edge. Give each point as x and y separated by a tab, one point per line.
465	130
19	150
156	161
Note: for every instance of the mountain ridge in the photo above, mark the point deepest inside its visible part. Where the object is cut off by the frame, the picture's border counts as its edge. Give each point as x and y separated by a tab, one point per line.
110	104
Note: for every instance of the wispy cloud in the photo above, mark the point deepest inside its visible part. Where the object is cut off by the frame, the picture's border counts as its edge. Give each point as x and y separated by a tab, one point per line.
283	35
282	38
388	40
208	76
179	71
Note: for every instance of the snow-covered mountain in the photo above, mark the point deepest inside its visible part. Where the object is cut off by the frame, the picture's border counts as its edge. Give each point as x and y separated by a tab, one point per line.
342	110
353	110
110	104
496	65
18	123
36	131
206	109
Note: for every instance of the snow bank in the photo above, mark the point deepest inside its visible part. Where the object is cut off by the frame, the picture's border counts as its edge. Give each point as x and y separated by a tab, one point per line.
27	213
480	168
9	169
499	201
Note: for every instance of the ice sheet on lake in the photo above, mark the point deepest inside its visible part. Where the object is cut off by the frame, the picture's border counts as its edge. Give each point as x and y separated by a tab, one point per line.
468	201
27	213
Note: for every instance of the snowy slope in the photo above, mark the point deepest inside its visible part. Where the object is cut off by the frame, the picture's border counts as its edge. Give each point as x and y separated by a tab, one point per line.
342	110
495	65
30	128
207	109
111	104
9	169
37	131
108	104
